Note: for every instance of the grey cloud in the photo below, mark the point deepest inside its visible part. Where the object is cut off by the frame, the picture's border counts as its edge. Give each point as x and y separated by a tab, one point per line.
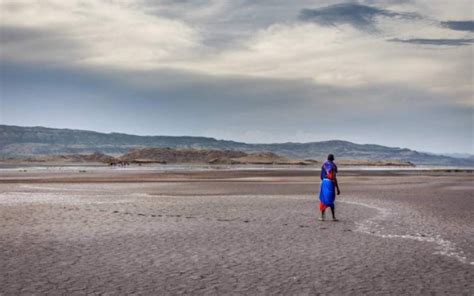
459	25
12	34
231	24
359	16
423	41
386	2
18	42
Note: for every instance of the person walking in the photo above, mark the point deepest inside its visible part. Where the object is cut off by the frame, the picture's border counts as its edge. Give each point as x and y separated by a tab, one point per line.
329	188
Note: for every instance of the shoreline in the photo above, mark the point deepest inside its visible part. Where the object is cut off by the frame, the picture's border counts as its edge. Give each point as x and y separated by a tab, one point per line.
203	166
81	174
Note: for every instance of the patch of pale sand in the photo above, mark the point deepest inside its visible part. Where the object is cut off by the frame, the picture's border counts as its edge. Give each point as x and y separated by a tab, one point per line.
10	198
60	187
461	188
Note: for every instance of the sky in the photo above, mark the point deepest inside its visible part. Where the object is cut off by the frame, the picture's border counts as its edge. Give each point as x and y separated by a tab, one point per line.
395	73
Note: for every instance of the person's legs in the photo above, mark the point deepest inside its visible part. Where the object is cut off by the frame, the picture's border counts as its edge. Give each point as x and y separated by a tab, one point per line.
322	209
323	212
333	212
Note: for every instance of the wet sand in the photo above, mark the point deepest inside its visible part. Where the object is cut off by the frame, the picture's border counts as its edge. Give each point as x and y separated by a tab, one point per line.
240	232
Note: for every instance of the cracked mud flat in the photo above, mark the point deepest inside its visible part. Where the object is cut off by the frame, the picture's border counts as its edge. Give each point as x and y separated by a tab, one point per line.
241	232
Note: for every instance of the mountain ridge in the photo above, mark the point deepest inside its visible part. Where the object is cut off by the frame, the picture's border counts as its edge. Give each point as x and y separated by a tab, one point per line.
39	140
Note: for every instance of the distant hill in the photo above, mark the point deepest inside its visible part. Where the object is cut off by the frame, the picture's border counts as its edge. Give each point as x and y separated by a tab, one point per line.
96	157
34	141
169	155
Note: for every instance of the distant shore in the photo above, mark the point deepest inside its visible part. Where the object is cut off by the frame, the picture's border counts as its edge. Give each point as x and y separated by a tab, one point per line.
97	172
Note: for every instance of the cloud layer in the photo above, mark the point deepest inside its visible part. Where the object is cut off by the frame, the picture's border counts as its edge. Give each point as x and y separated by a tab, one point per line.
459	25
422	41
359	16
264	71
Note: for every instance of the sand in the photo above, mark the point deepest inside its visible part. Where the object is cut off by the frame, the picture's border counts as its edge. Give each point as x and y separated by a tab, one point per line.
234	232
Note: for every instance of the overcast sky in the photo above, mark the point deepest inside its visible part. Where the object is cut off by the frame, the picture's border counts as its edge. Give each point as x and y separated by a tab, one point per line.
396	73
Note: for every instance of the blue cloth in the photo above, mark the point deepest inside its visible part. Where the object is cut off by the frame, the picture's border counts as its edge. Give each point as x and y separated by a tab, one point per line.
327	194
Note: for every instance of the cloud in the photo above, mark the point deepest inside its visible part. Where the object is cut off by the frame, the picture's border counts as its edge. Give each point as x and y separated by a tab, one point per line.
185	67
359	16
93	33
385	2
459	25
243	38
235	38
442	9
448	42
12	34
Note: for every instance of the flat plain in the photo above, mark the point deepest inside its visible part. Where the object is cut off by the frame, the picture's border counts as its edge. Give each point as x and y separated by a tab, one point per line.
119	231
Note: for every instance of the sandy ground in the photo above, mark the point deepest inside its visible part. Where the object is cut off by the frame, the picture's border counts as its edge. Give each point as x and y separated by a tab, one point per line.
234	232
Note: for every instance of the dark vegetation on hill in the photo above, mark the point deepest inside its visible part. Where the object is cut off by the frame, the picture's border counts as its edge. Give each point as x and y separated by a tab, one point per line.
16	141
